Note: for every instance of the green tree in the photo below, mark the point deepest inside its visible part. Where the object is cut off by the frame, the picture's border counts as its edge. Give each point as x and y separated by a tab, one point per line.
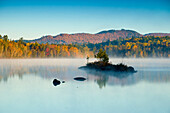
102	56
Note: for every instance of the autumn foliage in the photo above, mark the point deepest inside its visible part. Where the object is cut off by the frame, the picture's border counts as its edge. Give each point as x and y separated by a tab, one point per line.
148	46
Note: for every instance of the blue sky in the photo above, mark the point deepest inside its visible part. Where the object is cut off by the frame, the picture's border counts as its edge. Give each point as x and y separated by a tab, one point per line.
35	18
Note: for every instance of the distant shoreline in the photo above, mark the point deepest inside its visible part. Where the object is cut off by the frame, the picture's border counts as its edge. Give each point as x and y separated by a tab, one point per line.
92	58
134	47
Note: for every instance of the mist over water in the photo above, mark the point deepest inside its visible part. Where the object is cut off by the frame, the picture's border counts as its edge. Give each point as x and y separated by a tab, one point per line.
28	82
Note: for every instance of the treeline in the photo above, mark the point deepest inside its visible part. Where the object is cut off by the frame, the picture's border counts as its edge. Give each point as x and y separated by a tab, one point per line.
131	47
20	49
148	46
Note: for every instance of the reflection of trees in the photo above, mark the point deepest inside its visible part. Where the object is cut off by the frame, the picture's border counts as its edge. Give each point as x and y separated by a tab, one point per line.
124	79
101	81
102	78
43	71
5	79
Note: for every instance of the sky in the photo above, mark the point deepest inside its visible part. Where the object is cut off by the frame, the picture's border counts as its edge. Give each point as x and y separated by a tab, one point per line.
33	19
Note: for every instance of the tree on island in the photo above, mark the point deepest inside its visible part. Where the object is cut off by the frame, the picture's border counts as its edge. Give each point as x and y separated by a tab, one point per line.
87	59
102	56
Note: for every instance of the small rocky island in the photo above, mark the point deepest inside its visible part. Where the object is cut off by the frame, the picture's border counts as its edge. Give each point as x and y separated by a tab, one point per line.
104	65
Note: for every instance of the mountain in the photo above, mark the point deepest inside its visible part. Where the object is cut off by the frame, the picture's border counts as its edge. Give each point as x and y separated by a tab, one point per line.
92	38
157	34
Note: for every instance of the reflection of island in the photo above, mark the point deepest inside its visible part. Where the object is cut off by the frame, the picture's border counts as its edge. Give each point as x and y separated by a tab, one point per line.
103	78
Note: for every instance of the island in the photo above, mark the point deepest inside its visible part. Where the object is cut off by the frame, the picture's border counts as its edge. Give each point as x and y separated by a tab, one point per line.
103	64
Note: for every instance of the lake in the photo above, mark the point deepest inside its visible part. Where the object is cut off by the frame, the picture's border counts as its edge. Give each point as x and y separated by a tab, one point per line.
26	87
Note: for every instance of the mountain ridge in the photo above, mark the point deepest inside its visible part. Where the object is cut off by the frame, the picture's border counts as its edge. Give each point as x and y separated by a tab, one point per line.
99	37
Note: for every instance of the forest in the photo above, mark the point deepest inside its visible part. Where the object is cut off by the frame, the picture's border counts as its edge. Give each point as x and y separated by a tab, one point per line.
147	46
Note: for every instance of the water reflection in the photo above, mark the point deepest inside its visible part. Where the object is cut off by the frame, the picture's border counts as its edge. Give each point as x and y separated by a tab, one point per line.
30	83
131	79
101	81
68	72
46	72
110	78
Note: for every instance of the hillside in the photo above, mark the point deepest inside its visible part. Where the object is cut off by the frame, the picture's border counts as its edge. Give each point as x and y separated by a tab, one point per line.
86	37
158	34
92	38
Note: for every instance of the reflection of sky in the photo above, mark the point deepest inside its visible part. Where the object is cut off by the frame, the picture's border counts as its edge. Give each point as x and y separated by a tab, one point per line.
35	18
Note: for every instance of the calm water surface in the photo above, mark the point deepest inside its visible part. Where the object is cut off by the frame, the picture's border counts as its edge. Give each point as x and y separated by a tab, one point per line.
26	87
